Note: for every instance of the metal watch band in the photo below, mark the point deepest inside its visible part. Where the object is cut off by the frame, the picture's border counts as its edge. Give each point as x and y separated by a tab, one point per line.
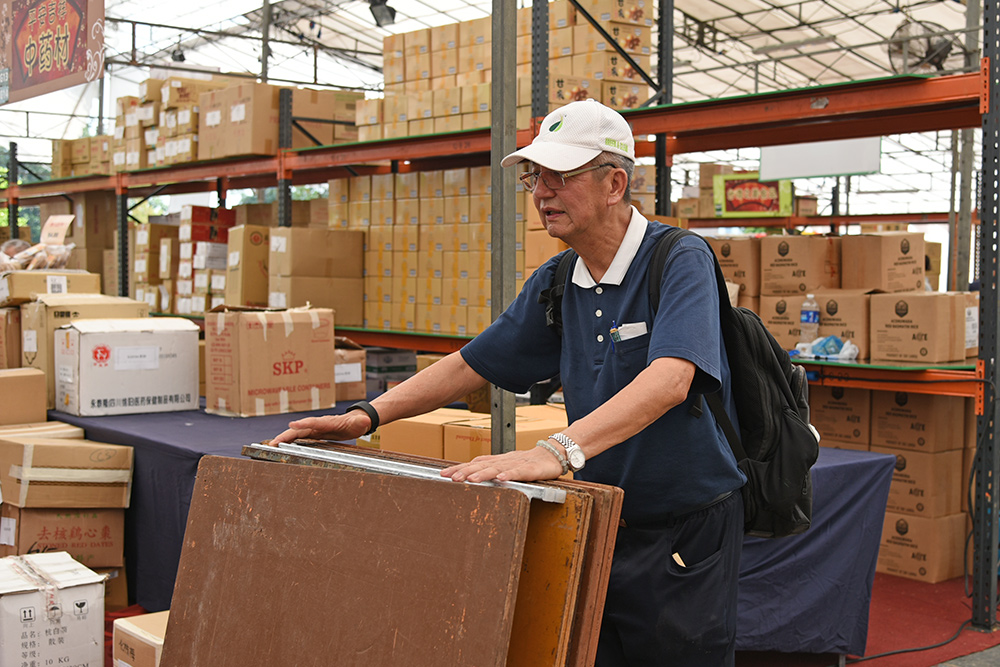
570	445
555	452
368	410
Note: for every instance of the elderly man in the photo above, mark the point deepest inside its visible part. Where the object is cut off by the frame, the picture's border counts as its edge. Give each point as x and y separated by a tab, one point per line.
632	382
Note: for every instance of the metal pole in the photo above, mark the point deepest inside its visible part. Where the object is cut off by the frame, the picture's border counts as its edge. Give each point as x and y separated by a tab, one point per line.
963	227
100	102
284	141
987	461
665	75
539	60
123	267
12	177
265	36
502	142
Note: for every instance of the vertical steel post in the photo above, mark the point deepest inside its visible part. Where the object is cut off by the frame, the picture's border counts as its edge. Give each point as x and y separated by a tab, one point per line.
665	76
123	267
284	141
539	59
987	461
503	141
12	177
265	39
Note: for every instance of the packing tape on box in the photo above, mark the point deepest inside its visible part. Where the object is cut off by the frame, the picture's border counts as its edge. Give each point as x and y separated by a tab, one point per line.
283	401
220	324
259	404
315	398
286	317
91	475
314	316
263	325
44	584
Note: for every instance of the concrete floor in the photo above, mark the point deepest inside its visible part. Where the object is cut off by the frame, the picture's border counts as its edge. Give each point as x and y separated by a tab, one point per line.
988	658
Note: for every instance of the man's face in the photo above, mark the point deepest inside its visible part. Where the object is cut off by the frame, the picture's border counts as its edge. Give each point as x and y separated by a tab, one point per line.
570	211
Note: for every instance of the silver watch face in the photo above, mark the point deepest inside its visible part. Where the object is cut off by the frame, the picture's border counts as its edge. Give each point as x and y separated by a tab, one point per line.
576	458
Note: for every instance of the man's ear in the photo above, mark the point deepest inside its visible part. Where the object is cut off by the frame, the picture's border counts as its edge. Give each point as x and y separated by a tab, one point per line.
619	184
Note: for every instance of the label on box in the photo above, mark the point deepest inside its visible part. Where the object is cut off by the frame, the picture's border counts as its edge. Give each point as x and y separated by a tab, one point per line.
140	266
4	289
183	116
142	237
237	113
219	281
164	266
64	373
137	358
8	531
277	300
234	258
213	118
29	341
55	284
348	373
279	244
972	326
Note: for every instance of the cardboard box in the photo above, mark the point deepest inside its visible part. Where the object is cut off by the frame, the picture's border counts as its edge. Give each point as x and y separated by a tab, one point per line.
42	430
919	422
22	393
40	319
64	473
739	258
130	366
466	440
384	365
51	611
349	370
248	254
115	588
94	537
889	262
262	362
422	435
780	316
608	66
925	549
345	296
10	337
138	640
841	414
925	484
971	323
798	265
846	314
928	327
331	253
17	287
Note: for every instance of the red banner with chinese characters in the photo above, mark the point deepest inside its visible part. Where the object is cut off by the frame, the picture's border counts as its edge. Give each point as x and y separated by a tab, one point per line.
47	45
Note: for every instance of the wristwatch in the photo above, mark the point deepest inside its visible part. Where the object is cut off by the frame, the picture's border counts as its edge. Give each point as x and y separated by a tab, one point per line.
574	455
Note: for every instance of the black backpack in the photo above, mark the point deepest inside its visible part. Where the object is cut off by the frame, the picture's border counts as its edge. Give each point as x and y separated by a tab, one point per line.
776	446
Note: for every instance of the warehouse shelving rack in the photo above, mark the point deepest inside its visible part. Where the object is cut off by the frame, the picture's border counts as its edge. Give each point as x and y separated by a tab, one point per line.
841	111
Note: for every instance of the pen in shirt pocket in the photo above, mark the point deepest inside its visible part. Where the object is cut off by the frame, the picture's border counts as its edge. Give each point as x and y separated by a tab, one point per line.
615	337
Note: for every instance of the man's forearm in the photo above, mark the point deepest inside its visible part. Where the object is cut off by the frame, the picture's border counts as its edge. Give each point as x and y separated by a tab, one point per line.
439	384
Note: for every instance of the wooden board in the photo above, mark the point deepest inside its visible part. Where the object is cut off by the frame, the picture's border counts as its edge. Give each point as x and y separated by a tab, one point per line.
316	566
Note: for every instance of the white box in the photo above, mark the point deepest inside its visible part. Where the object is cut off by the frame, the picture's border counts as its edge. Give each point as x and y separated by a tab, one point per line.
116	367
60	625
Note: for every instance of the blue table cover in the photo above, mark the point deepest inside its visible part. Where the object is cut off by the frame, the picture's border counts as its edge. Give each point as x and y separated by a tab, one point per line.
808	593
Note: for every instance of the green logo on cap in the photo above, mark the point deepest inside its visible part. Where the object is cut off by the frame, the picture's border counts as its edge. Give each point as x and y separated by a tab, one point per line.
556	125
614	143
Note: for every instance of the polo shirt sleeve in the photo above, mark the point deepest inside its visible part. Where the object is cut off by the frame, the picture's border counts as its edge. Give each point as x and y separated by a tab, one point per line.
518	349
687	324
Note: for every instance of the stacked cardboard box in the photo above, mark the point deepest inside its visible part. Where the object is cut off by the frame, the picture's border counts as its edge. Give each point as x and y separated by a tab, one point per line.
138	640
155	245
82	157
246	278
739	258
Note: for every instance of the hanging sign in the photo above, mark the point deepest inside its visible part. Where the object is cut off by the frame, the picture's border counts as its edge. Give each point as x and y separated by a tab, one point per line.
48	45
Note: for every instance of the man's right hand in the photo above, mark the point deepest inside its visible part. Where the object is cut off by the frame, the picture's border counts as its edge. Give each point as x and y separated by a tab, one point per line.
328	427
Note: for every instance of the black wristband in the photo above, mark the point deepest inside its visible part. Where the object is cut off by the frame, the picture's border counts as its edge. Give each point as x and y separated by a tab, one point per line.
369	410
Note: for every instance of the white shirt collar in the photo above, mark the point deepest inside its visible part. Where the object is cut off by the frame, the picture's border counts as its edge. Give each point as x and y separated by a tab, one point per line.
623	258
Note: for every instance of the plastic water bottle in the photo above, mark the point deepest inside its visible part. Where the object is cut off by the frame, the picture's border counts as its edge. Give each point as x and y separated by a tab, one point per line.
809	320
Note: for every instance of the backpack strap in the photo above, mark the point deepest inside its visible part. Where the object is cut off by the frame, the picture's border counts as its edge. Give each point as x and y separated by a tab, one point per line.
551	297
655	272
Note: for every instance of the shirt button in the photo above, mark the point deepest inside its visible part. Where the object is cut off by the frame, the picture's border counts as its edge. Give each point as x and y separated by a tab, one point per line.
600	338
599	290
599	312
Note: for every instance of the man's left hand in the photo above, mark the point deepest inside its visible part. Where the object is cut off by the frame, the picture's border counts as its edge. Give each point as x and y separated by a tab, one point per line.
517	466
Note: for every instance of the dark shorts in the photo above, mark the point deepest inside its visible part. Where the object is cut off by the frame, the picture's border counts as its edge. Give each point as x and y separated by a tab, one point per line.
661	613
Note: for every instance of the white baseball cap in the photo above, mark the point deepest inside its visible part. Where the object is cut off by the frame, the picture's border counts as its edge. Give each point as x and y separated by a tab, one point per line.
574	134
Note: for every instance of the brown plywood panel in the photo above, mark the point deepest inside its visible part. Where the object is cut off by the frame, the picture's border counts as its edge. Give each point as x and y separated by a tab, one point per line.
315	566
550	580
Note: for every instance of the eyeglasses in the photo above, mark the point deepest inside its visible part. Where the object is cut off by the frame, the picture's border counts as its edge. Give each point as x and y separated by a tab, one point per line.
553	179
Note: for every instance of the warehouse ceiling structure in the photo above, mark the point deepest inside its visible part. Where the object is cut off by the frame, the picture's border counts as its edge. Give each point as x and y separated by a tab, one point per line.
722	48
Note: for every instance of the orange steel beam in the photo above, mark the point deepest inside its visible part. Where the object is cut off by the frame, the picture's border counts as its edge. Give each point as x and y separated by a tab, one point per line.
819	220
940	382
401	340
201	171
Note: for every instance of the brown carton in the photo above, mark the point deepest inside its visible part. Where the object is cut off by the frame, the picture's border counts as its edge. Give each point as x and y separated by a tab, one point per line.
329	253
845	314
10	337
349	370
94	537
17	287
22	393
422	435
345	296
40	319
919	422
925	484
63	473
780	315
739	258
248	250
798	265
262	362
841	415
889	262
927	327
465	441
925	549
138	640
42	430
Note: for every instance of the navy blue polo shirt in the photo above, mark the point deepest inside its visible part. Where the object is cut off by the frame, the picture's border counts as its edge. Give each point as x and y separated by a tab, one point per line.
680	461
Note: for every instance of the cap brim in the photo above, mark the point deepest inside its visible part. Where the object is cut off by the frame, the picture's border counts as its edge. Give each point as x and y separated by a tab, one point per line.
551	155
